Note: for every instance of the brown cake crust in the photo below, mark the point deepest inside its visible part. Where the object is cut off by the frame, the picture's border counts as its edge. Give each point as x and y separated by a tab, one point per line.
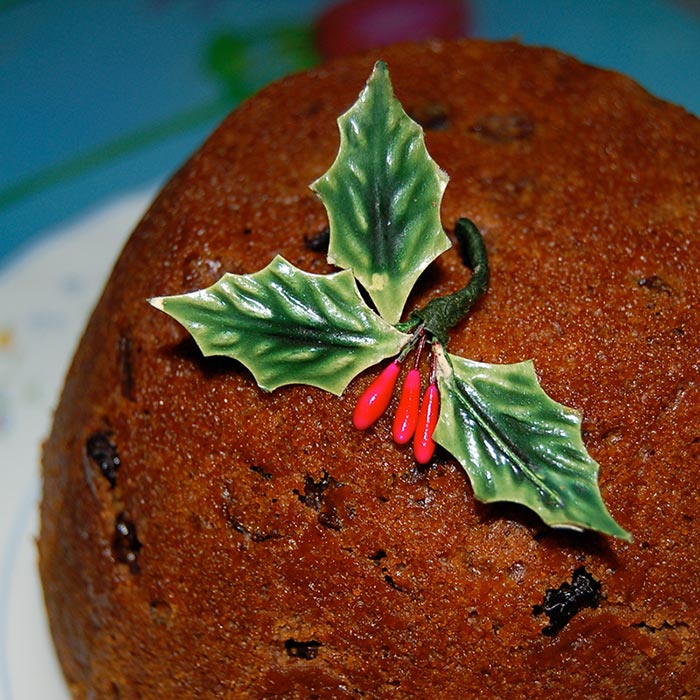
238	544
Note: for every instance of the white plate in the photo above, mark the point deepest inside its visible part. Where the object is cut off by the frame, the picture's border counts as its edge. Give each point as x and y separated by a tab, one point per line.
45	298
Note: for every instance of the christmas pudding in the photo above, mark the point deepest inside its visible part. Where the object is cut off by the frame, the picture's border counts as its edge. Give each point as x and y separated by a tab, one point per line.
390	436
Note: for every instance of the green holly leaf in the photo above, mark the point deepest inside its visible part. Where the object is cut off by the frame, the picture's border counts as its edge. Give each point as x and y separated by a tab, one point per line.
517	444
383	195
287	326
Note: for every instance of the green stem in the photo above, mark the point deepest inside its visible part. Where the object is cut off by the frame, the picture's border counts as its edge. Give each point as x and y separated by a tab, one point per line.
439	315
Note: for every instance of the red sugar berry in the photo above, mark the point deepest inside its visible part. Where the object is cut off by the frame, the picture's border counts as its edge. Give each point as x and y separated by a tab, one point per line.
376	397
407	411
423	443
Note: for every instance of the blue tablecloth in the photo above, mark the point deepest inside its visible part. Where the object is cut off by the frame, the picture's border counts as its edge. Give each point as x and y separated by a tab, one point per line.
99	98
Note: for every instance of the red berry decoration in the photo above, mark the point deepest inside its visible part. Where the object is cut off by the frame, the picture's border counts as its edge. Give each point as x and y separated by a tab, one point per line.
406	416
423	443
357	25
376	397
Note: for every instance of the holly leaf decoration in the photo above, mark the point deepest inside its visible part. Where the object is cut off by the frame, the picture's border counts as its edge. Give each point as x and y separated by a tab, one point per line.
517	444
287	326
383	195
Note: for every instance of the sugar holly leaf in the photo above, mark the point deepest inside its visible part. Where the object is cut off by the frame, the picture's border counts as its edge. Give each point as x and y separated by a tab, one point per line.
383	195
517	444
287	326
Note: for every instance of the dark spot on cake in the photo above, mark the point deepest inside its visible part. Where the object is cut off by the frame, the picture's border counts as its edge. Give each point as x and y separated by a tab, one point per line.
254	534
378	555
315	496
244	521
103	452
259	536
393	583
200	523
561	604
314	490
654	283
665	626
318	243
259	470
330	519
312	109
503	128
418	472
247	231
160	612
126	374
431	116
126	543
302	650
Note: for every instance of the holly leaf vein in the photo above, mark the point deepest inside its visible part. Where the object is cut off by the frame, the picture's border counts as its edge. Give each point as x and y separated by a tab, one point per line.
517	444
287	326
382	195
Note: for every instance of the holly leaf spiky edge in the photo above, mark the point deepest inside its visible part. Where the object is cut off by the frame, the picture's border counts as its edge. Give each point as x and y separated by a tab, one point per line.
517	444
382	195
287	326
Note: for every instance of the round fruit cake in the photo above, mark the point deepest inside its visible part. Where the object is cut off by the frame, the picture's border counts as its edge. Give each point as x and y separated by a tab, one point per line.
203	538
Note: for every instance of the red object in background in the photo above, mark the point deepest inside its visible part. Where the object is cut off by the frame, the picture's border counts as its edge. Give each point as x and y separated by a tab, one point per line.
357	25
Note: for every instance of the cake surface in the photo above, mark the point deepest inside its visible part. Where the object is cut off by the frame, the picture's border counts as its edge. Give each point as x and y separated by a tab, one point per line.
204	539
